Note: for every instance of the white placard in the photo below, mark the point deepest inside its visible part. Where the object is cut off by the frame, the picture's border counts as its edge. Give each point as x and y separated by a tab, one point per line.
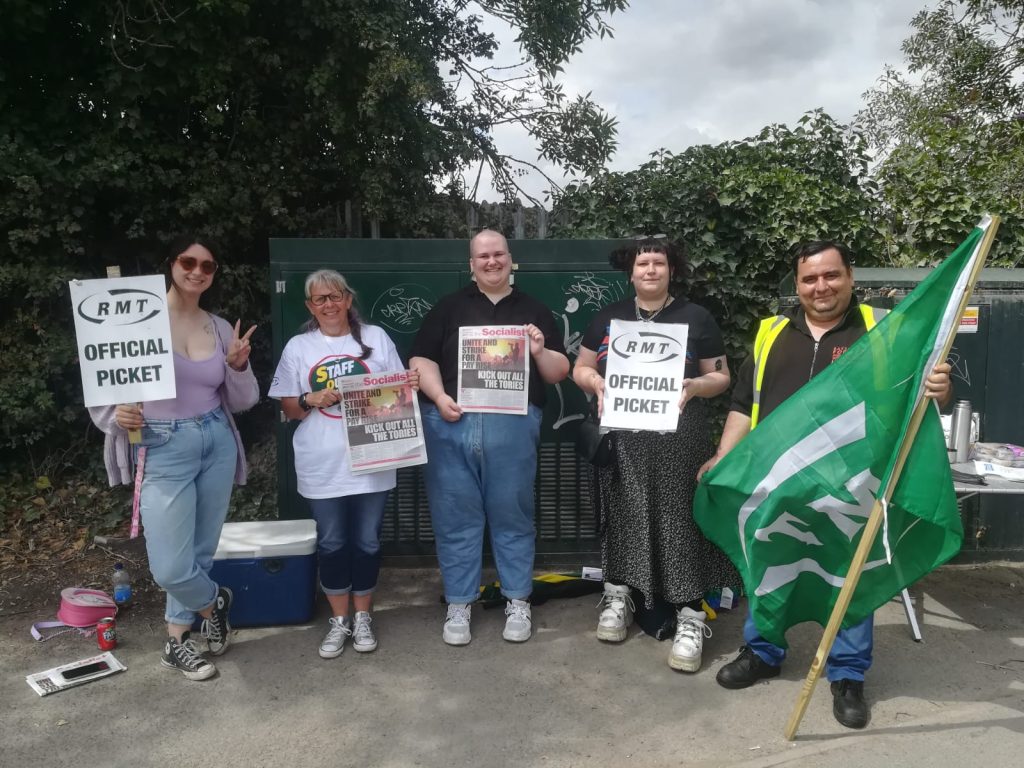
494	369
124	339
382	417
643	380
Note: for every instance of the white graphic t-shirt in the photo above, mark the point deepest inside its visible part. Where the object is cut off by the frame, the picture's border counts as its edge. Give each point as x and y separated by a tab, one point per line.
310	362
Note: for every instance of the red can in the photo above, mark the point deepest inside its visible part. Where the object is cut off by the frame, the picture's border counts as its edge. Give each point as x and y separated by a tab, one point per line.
106	634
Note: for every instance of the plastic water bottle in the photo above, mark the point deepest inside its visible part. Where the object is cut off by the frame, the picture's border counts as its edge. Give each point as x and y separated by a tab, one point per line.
122	585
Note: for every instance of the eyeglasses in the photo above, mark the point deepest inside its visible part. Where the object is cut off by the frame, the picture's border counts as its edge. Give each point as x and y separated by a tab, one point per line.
659	236
334	298
188	263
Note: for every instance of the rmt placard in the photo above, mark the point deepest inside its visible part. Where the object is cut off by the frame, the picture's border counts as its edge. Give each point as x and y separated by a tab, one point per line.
124	339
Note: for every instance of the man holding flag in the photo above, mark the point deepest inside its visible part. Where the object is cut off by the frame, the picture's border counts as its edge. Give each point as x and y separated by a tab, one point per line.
788	510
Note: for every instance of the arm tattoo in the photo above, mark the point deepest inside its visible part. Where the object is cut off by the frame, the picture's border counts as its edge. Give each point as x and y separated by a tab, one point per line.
718	364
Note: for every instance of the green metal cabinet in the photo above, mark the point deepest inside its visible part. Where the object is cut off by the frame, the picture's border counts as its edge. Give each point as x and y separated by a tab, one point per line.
396	282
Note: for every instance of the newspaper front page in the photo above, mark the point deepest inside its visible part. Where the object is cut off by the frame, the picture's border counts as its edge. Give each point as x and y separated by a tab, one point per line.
494	369
382	416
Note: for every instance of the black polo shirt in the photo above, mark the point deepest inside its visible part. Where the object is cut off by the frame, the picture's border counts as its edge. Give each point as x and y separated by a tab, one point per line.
438	337
794	359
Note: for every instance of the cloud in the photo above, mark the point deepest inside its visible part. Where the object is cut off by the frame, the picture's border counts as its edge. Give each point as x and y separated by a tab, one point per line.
684	72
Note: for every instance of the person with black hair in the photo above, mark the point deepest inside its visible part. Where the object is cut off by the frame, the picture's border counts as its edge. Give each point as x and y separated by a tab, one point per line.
192	453
650	543
789	350
348	509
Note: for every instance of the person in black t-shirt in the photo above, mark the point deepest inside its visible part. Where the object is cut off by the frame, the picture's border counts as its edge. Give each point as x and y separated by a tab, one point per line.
649	540
481	466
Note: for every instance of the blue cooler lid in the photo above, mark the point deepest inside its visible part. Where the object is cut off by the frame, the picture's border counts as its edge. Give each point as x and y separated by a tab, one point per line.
266	538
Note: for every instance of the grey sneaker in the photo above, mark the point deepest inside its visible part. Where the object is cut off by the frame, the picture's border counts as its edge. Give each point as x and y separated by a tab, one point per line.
456	624
183	657
334	643
518	622
689	643
363	640
616	613
217	629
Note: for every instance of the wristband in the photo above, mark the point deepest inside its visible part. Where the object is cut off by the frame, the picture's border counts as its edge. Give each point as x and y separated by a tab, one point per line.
303	404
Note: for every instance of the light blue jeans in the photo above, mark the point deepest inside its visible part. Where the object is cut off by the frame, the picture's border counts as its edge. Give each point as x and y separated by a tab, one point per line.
186	487
480	471
849	658
348	541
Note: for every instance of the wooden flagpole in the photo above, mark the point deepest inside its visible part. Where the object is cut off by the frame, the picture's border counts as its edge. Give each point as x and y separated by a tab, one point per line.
875	519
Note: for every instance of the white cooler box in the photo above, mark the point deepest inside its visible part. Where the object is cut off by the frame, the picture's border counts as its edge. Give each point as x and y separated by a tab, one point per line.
270	566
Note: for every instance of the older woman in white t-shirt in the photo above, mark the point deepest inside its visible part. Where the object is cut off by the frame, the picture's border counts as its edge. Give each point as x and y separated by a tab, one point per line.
348	508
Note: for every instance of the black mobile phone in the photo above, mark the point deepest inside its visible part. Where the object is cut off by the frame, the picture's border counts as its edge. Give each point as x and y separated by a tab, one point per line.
88	669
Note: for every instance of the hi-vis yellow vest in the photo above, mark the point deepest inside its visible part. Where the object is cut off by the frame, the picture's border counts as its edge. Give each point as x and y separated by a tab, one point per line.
769	331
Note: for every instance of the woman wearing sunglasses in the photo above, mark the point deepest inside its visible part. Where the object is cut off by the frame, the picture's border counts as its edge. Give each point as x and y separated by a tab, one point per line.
348	509
189	455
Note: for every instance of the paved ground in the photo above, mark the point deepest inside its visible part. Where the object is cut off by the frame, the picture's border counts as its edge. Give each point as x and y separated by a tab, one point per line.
563	699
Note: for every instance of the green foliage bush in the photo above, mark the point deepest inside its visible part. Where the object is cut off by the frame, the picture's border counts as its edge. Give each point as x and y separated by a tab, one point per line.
738	208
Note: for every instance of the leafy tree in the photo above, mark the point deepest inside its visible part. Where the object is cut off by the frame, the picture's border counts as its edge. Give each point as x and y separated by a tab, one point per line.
738	207
124	121
950	133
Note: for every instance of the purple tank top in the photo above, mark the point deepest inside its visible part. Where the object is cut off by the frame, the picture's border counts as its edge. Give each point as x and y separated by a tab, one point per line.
196	382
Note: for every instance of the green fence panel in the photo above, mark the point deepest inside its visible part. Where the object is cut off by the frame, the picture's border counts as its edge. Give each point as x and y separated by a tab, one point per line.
397	282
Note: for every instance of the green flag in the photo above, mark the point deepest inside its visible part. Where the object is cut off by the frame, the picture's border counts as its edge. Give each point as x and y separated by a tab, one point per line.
788	504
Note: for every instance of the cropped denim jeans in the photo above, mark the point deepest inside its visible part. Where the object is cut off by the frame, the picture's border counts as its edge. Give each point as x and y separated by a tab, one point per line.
849	658
186	487
348	541
481	470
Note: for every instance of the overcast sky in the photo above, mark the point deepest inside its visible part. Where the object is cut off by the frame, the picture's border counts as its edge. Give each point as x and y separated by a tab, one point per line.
686	72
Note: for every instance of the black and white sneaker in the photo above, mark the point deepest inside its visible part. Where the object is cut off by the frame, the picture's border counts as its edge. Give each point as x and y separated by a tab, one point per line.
184	657
216	629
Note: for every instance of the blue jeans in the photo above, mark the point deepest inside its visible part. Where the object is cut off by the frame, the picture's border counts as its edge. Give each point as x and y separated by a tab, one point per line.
348	541
481	470
849	658
186	487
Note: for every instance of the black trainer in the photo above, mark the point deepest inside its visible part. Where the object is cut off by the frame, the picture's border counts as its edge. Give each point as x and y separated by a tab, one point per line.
848	703
217	629
184	657
745	670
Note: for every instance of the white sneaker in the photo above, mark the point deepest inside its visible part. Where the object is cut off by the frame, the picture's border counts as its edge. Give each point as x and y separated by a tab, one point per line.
456	624
616	615
689	643
363	640
334	643
518	624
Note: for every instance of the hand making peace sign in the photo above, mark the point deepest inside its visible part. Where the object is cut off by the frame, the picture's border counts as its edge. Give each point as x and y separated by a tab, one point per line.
239	348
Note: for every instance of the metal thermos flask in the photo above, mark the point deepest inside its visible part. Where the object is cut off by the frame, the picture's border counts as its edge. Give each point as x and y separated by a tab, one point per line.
960	431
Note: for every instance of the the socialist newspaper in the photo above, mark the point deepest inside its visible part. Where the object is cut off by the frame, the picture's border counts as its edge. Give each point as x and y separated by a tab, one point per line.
382	416
494	369
644	377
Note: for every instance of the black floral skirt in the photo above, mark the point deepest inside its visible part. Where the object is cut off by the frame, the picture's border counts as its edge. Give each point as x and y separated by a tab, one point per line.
645	501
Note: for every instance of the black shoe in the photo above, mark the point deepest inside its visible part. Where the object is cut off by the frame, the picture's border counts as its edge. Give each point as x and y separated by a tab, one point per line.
216	629
745	670
848	703
184	658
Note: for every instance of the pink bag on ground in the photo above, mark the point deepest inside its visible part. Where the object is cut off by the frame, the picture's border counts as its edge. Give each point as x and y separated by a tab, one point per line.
80	609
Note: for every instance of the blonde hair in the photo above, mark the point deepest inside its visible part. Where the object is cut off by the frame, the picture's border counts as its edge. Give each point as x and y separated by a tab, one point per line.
335	281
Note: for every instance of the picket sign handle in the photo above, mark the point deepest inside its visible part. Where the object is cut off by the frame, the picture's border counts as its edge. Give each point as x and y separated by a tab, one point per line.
875	520
134	435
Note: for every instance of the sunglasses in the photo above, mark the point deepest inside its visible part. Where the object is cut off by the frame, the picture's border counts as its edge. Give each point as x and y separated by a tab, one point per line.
188	263
334	298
